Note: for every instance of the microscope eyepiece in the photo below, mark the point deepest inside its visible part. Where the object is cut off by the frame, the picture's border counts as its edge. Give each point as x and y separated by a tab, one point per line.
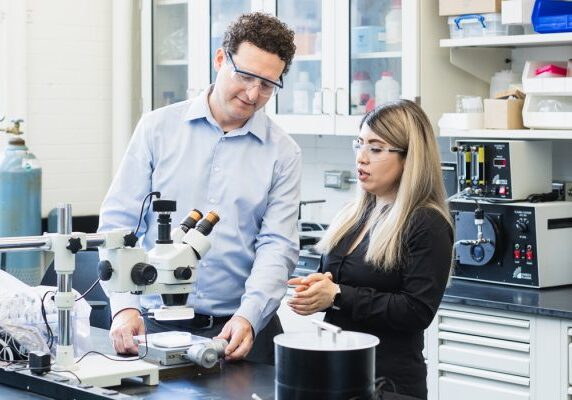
191	220
206	225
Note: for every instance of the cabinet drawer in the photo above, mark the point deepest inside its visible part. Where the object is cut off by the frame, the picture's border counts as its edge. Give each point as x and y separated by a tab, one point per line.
485	353
569	360
485	325
455	387
569	339
457	382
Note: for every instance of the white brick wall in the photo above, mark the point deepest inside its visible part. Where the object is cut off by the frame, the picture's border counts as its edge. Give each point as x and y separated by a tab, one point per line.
68	123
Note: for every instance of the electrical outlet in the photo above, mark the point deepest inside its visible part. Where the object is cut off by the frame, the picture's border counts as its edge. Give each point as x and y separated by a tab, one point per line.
337	179
568	191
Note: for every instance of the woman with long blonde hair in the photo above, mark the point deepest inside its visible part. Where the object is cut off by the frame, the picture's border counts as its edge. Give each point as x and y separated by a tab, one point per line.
387	256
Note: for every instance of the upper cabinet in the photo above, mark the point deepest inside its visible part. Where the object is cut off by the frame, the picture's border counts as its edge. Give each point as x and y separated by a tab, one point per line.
165	29
351	55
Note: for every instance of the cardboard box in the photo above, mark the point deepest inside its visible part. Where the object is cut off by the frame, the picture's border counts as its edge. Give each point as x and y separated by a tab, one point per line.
459	7
503	113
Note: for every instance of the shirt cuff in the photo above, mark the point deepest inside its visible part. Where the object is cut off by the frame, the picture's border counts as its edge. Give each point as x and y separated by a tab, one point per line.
252	313
344	301
121	301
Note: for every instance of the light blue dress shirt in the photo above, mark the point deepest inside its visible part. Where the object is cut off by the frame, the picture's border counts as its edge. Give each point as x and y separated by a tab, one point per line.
249	176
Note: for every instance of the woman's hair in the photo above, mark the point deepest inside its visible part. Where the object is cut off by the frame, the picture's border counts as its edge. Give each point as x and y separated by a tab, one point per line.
402	124
265	32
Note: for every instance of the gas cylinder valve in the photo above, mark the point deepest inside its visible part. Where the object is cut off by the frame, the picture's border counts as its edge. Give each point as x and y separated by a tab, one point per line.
14	129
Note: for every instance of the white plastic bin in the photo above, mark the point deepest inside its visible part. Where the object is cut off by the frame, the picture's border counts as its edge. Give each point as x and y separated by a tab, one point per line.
474	25
462	121
517	12
531	84
547	112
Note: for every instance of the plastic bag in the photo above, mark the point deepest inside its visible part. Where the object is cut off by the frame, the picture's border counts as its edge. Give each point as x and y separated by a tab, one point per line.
21	306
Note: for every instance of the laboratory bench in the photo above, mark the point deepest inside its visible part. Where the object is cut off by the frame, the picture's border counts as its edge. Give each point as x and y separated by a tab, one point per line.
230	380
550	302
486	338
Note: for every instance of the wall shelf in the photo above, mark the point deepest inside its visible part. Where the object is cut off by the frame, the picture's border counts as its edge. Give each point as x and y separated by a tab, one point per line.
535	40
376	54
309	57
533	134
174	62
171	2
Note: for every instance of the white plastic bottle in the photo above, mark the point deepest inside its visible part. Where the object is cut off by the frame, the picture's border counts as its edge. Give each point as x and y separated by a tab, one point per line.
303	94
386	89
393	26
361	90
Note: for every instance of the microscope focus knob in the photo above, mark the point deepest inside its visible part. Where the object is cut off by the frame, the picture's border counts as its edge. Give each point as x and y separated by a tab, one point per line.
143	274
183	273
104	270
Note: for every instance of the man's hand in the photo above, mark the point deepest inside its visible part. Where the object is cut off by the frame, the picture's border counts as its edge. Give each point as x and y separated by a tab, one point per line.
126	324
313	293
238	332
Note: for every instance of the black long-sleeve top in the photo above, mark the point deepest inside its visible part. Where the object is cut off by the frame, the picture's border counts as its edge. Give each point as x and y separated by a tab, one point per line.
395	306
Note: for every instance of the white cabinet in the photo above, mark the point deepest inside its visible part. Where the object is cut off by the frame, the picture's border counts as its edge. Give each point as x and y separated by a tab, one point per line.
482	355
343	47
477	353
178	40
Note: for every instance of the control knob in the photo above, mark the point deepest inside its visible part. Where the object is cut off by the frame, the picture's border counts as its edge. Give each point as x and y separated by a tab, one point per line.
143	274
521	226
183	273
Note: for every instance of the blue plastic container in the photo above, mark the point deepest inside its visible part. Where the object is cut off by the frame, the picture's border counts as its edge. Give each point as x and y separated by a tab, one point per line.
551	16
20	208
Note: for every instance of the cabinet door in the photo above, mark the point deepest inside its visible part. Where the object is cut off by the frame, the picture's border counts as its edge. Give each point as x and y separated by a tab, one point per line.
304	105
371	41
221	14
165	52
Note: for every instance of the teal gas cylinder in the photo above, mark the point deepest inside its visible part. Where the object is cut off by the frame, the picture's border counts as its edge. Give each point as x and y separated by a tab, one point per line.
20	208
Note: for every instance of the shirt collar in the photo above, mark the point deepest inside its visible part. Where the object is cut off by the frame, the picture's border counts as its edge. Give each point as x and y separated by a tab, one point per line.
199	108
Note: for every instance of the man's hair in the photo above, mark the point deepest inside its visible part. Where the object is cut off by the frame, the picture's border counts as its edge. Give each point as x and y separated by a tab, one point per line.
265	32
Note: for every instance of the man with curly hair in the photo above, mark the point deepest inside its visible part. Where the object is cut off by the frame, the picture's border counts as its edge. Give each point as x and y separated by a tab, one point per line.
220	152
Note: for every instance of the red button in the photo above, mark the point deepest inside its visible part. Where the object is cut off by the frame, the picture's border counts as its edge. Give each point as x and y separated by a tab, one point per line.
529	255
502	190
516	254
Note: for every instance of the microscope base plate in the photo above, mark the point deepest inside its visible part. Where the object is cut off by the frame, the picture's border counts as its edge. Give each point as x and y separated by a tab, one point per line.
99	371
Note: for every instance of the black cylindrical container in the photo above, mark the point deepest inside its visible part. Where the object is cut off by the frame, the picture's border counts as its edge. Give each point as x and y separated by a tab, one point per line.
325	365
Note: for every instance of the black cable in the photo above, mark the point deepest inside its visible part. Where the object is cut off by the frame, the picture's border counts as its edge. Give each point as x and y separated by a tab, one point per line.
150	194
88	290
45	318
69	372
119	359
52	371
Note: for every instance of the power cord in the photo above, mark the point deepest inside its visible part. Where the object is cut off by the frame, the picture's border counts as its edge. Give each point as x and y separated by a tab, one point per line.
150	194
119	359
49	331
88	290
